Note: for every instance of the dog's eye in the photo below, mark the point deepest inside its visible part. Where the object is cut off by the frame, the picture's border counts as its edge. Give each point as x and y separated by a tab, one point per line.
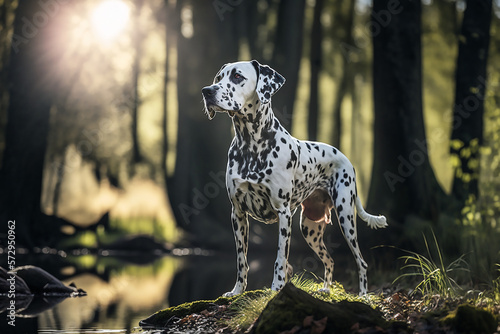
236	78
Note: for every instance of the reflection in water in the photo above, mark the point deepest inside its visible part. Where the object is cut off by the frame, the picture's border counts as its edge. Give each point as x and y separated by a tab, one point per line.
83	331
119	294
119	300
121	291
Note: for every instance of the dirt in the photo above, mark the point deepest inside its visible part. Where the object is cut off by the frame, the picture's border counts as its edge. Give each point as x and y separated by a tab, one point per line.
402	312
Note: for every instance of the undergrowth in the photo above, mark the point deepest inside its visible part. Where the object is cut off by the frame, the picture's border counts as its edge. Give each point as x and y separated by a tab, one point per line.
248	308
437	279
490	298
435	275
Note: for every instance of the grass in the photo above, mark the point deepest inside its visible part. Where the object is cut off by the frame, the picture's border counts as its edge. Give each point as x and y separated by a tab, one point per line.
248	308
496	287
490	298
237	314
435	276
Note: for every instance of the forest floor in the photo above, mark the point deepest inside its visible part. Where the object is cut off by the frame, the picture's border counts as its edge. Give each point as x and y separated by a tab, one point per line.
400	311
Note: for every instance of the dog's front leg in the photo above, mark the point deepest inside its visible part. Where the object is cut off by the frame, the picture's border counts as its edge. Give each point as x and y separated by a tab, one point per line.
240	228
281	264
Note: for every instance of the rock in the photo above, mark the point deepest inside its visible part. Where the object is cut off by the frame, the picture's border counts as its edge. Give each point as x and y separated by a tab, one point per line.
39	304
470	319
291	306
143	243
21	286
21	292
163	318
136	249
41	282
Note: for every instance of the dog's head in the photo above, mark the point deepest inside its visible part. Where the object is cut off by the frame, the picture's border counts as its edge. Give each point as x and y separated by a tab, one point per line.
237	85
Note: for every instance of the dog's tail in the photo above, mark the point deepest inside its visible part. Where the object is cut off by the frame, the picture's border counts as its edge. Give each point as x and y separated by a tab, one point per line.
372	221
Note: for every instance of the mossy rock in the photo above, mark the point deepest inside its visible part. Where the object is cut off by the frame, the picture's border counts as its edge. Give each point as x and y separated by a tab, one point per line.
469	319
162	318
291	305
41	282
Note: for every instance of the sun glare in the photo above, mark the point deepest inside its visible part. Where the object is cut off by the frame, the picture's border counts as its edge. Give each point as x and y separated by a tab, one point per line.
110	18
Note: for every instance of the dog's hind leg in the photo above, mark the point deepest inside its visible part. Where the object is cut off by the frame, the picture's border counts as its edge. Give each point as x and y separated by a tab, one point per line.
313	234
344	206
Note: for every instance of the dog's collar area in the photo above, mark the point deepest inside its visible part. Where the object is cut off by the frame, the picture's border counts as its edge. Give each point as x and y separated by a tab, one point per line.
254	125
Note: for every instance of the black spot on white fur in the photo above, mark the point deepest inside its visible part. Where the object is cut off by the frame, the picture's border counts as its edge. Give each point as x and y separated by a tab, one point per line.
270	174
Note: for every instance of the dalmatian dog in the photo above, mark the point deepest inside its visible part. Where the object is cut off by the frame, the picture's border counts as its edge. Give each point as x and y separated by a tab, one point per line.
270	174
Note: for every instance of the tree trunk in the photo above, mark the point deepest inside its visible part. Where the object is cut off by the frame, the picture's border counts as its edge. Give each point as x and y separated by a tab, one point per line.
468	110
347	76
403	182
197	190
337	108
170	24
287	56
32	61
315	61
7	10
249	19
136	69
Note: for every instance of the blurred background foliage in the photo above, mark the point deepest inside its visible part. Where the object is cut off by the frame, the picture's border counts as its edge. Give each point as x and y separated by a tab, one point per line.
103	134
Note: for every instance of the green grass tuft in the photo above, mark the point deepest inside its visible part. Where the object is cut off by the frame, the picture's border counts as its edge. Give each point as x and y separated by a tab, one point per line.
248	308
435	275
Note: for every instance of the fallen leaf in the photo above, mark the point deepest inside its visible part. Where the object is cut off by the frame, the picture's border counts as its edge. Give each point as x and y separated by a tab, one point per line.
319	326
292	331
355	327
308	321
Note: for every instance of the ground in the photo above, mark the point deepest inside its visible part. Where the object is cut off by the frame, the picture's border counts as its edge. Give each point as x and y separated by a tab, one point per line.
390	311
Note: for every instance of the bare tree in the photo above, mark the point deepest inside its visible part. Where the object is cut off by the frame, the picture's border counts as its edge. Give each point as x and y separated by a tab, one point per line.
403	182
470	90
315	61
136	69
347	79
287	56
197	189
32	60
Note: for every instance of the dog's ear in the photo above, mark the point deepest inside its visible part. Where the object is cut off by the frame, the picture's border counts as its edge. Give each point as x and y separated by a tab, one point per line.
218	77
268	81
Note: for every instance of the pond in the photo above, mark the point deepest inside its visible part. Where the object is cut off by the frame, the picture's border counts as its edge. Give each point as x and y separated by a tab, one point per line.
124	288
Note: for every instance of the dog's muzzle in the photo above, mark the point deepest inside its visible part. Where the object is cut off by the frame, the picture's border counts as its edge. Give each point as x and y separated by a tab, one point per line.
209	96
209	91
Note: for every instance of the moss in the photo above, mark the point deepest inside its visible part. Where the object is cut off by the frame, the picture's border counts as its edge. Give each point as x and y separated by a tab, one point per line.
469	319
291	305
245	310
161	318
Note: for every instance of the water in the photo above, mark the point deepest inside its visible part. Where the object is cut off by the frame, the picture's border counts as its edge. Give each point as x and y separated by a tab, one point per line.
126	288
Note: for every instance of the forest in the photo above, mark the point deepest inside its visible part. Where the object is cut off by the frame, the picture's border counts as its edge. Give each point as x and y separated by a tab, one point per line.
103	133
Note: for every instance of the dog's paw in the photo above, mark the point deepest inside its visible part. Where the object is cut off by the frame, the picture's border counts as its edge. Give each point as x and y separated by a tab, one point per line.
233	293
230	294
324	290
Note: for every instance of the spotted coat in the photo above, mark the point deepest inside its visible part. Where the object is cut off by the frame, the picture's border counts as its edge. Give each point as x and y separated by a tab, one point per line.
270	174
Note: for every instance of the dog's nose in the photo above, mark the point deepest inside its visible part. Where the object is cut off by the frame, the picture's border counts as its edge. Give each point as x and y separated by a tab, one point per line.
209	90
